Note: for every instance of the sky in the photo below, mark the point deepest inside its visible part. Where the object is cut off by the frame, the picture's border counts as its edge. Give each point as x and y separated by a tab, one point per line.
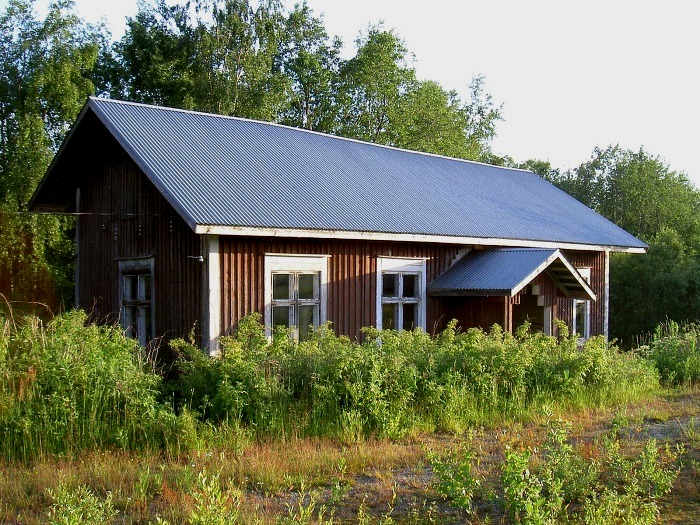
570	74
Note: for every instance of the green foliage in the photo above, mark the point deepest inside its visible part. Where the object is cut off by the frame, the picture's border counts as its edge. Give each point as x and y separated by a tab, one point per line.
213	506
531	499
45	76
649	290
79	506
676	353
311	62
383	102
454	472
399	382
214	56
69	387
558	485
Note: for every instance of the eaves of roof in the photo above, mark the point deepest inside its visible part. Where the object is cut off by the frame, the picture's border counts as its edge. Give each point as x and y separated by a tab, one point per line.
231	176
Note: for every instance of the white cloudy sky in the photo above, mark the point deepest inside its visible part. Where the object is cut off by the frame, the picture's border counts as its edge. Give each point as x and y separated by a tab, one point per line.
571	74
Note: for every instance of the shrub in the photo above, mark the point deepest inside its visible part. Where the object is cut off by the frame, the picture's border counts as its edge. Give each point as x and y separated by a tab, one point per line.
79	506
675	351
539	487
454	472
398	382
70	386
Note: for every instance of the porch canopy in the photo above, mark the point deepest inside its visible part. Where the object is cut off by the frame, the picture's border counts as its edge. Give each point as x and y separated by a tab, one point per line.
506	271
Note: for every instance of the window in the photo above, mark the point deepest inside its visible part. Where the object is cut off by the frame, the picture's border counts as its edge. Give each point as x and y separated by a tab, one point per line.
295	293
400	293
581	324
136	299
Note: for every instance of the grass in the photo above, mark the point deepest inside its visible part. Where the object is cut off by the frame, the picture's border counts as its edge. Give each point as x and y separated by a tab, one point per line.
327	430
369	479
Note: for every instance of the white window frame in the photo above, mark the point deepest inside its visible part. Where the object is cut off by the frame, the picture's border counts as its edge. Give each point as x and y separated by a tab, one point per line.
547	328
586	274
131	267
290	263
402	265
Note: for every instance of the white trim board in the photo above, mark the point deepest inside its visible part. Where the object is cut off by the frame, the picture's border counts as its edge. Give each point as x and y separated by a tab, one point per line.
252	231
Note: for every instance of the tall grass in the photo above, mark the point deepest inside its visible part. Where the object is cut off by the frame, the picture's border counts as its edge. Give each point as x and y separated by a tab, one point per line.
70	386
400	382
675	350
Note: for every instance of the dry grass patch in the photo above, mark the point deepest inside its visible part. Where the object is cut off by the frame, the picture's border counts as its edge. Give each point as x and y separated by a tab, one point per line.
375	481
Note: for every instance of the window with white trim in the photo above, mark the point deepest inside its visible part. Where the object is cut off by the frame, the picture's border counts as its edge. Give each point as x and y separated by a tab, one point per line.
136	299
581	323
401	286
295	293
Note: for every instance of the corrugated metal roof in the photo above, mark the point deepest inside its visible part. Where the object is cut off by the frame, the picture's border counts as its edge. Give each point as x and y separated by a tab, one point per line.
506	271
234	172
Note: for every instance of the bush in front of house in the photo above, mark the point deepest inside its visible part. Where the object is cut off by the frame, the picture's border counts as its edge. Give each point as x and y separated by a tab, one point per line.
70	386
400	382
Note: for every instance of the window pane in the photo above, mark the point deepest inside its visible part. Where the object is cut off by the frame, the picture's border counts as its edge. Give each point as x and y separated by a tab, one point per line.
129	321
130	288
144	287
409	316
410	285
390	316
145	331
390	285
145	321
580	316
280	286
308	318
281	315
308	285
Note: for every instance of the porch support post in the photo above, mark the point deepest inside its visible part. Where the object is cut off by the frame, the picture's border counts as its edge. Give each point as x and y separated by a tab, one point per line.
211	296
508	314
606	298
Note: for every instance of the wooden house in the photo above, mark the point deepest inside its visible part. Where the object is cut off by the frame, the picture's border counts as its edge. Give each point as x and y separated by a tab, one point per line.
190	220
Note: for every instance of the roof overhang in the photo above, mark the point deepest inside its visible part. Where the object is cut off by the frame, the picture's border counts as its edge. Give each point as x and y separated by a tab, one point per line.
505	272
255	231
48	197
54	195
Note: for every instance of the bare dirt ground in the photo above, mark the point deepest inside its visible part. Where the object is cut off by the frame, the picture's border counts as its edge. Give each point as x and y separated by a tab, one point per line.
405	493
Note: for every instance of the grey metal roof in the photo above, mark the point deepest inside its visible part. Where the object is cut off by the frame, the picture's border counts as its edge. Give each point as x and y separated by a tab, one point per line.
225	171
506	271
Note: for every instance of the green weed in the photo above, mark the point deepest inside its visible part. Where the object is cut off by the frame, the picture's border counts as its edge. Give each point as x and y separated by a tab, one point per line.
454	472
675	350
79	506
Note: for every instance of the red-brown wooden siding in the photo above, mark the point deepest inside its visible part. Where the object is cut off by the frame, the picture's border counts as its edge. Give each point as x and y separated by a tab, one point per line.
351	277
123	216
596	262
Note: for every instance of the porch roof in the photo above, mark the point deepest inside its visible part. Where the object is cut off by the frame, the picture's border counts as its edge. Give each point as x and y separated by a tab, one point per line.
506	271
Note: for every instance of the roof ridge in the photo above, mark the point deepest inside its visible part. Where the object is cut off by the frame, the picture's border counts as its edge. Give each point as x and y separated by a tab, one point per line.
292	128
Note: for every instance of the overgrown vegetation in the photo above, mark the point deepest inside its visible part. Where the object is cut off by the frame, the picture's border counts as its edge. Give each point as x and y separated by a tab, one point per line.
398	383
69	386
675	351
76	391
